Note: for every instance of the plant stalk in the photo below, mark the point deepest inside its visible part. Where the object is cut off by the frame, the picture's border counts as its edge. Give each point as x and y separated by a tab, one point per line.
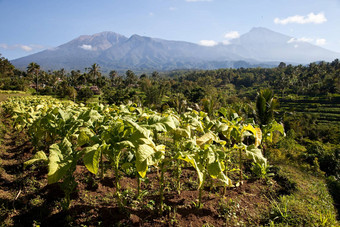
240	164
161	192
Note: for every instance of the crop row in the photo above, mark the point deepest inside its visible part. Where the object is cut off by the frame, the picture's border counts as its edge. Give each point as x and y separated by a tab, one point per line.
65	134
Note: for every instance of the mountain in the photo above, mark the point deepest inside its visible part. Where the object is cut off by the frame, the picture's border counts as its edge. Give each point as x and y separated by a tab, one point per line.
258	47
265	45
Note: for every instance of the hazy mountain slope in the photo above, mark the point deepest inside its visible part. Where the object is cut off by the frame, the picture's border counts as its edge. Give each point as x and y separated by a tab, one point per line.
265	45
114	51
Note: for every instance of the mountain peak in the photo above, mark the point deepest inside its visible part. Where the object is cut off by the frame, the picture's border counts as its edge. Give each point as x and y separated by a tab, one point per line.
257	29
263	36
266	32
97	41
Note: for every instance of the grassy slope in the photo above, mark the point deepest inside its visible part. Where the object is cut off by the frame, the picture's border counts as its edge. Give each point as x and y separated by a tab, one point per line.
309	205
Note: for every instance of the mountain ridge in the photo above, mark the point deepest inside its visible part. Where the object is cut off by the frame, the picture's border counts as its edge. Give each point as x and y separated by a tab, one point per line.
111	50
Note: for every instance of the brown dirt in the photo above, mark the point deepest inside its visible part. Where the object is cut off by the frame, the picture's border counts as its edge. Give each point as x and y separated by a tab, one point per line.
27	199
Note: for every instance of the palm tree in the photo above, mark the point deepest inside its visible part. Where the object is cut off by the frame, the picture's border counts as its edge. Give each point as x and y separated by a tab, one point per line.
266	104
94	71
113	74
34	70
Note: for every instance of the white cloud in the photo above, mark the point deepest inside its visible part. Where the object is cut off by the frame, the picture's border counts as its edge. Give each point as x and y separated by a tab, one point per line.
86	47
299	40
296	46
208	43
3	46
226	42
232	35
320	42
172	8
151	14
198	0
26	48
298	19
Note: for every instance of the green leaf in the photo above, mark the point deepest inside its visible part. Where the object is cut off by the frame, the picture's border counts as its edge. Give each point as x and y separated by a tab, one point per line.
258	137
249	128
140	132
124	144
65	147
226	180
144	155
92	157
58	165
39	156
255	154
206	138
168	122
159	127
270	129
181	132
214	169
277	127
191	159
84	136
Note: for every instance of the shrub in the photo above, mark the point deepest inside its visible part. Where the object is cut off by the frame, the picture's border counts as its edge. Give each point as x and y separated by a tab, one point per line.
85	94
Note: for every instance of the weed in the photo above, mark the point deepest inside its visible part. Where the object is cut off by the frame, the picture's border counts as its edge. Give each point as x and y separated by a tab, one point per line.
280	210
38	201
127	197
262	171
151	205
228	210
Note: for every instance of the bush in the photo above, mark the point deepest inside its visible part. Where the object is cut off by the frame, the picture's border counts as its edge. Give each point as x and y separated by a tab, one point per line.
291	149
328	156
85	94
333	185
116	96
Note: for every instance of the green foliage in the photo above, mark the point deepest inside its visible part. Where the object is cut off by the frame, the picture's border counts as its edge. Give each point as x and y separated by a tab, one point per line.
118	96
291	149
262	170
85	94
65	91
6	68
40	156
328	156
128	135
266	104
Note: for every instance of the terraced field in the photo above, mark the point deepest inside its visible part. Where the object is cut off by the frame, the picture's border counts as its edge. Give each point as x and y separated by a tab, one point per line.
325	110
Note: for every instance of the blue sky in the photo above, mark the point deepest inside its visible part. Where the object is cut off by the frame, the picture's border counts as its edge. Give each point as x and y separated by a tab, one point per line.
29	26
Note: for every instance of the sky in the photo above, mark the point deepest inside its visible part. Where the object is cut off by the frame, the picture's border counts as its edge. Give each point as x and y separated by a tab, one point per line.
30	26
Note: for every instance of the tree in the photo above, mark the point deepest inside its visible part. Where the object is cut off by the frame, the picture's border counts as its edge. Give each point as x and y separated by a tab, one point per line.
84	94
113	75
65	91
131	78
282	65
155	76
34	70
74	79
6	68
94	72
266	104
